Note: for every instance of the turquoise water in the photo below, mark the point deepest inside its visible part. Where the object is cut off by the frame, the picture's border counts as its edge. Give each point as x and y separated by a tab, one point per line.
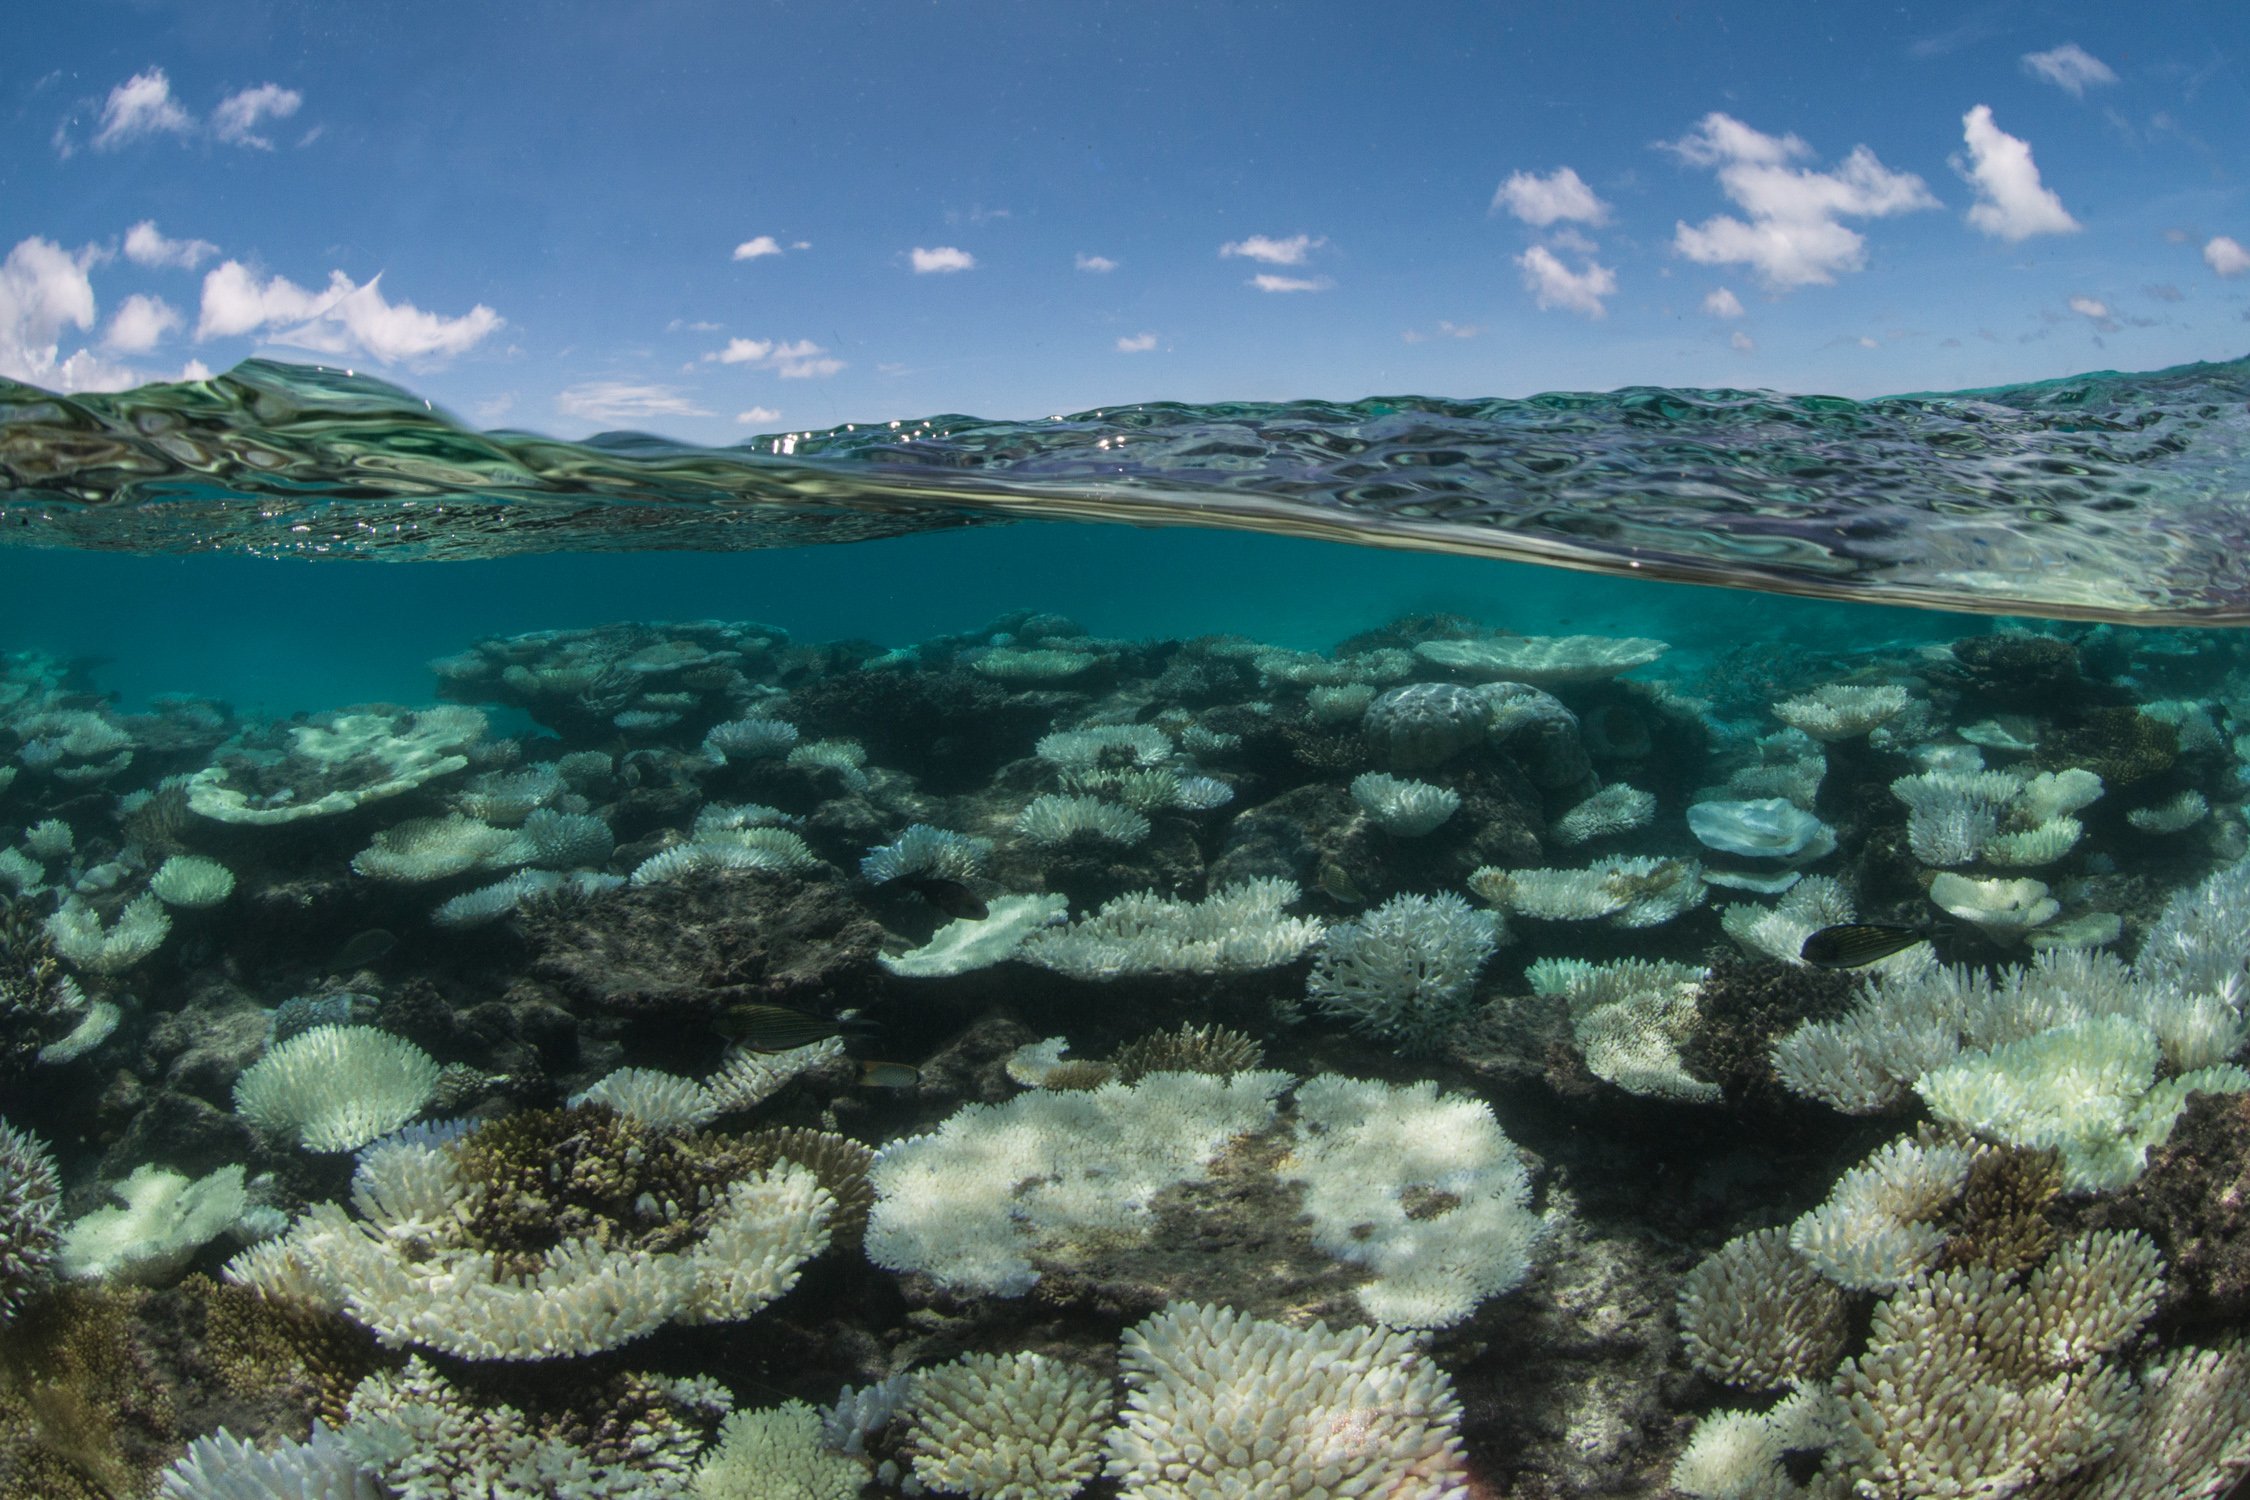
529	930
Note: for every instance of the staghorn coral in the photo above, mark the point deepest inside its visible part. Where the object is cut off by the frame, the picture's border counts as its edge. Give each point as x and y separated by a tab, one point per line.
1407	970
1214	1396
1214	1049
1239	927
1757	1315
1006	1426
30	1193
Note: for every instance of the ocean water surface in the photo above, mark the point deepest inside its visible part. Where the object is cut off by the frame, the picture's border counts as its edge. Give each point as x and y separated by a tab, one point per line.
1170	951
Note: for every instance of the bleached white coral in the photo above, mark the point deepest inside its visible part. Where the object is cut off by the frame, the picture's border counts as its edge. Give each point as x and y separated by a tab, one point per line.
1756	1314
2041	844
1842	711
659	1100
1779	931
164	1219
776	1453
1616	808
1629	1018
224	1467
1761	828
1017	1426
967	943
926	851
335	1088
1105	744
1053	820
1874	1231
76	930
1406	970
1419	1187
190	880
426	849
995	1185
1401	805
1623	890
2003	909
2086	1088
2183	811
1237	928
1216	1397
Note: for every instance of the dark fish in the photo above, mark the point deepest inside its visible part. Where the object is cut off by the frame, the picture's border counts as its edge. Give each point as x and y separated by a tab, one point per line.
772	1028
1848	945
362	949
887	1075
948	896
1337	882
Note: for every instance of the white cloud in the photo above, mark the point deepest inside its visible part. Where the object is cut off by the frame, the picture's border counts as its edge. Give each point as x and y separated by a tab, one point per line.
43	290
1139	343
1267	282
2011	204
1793	236
2226	256
1100	264
140	324
625	401
1723	303
758	414
1445	330
751	249
802	360
195	369
1260	247
145	247
2069	67
942	258
239	114
1742	342
346	318
741	352
1865	342
1554	284
2094	311
141	105
1543	200
805	360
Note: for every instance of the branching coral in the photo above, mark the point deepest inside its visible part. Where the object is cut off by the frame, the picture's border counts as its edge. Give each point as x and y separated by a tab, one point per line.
1406	970
1237	928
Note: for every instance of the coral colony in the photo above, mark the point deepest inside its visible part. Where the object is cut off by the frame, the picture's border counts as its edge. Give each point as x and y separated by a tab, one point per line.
1024	1064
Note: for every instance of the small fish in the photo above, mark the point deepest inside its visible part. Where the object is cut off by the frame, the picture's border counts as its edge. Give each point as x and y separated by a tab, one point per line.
948	896
362	949
888	1075
772	1028
1849	945
1339	883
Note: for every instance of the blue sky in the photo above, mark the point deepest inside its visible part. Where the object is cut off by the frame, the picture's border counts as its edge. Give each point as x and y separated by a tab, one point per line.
710	220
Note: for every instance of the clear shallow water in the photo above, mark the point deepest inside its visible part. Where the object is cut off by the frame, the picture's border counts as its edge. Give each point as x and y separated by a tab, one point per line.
274	541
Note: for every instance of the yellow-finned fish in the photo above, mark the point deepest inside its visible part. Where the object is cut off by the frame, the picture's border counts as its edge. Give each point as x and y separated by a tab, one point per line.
888	1075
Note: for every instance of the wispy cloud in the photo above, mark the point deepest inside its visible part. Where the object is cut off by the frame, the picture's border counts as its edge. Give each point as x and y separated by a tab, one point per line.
141	106
1266	281
1445	330
1139	343
626	401
1270	251
2069	67
140	324
239	114
144	246
2012	204
1540	201
801	360
344	318
762	415
1794	235
1723	303
942	258
757	247
2226	256
1553	284
1099	264
1742	342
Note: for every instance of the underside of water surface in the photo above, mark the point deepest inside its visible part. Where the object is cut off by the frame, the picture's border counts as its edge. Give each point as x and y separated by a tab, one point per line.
658	1007
2100	496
